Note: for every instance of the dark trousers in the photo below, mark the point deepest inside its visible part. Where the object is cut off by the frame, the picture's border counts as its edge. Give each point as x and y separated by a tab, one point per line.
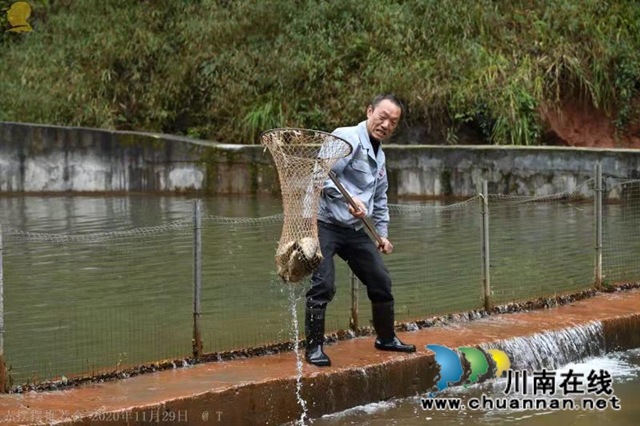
362	256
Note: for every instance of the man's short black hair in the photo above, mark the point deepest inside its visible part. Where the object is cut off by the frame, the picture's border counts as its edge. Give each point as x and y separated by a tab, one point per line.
389	97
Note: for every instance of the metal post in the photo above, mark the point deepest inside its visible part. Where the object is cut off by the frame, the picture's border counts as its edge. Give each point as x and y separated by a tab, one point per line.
598	226
486	264
3	370
353	321
197	278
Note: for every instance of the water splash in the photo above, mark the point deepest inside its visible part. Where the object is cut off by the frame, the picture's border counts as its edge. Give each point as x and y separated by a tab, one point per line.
623	366
552	349
367	409
294	297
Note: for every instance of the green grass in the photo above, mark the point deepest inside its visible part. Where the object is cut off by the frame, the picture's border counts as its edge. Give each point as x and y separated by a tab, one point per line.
226	70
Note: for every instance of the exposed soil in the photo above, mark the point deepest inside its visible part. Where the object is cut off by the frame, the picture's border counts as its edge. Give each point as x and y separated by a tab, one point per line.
583	125
575	123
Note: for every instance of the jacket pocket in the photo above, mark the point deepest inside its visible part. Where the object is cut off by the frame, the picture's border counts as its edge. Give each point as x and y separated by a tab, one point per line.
360	176
361	166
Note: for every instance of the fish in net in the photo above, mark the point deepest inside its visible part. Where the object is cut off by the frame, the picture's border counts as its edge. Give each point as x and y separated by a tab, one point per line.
303	159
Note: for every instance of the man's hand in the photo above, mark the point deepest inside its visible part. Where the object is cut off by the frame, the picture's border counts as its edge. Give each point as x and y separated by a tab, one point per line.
362	209
386	247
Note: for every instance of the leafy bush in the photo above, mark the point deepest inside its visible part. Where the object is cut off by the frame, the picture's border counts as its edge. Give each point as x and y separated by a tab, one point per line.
226	70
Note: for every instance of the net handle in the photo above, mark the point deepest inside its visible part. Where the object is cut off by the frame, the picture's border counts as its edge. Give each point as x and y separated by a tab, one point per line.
366	220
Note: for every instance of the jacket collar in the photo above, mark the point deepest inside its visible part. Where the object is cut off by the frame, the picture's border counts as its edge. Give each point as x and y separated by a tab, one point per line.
363	135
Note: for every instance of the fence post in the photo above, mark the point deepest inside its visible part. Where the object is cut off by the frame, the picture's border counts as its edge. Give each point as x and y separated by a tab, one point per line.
3	370
486	264
197	278
598	226
353	321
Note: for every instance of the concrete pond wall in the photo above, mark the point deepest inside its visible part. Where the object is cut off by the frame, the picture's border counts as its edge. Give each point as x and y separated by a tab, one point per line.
262	390
38	158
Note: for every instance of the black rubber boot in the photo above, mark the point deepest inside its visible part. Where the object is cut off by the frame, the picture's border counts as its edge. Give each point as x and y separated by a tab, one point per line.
314	330
383	320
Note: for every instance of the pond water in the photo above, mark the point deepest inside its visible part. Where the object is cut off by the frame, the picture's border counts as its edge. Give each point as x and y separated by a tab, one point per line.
74	305
624	368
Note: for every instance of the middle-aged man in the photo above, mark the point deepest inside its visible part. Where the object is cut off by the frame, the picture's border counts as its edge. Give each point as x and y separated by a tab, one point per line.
340	230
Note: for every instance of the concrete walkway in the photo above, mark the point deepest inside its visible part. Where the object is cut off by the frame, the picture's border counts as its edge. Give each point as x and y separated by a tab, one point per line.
262	390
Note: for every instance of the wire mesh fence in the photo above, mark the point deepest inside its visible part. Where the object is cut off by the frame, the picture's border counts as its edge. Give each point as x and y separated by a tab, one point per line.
85	304
621	230
243	303
436	263
95	303
541	246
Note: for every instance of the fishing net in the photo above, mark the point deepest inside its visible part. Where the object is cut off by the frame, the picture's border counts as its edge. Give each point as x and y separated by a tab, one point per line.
303	159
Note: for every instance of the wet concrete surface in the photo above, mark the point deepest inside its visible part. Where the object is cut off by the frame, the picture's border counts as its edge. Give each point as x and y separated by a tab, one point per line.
261	390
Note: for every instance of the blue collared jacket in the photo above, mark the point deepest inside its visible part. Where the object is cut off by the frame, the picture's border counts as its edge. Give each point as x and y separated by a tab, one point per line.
363	175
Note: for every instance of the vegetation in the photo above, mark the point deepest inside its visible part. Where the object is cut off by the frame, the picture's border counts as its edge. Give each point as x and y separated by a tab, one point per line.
228	69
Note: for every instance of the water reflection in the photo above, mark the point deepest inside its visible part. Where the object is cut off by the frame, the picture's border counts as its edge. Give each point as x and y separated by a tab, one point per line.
86	214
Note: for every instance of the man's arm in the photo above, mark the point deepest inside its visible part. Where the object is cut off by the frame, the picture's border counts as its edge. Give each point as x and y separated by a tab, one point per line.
380	214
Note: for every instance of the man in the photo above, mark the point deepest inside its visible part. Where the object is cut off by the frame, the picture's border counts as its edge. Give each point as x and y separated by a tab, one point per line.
341	231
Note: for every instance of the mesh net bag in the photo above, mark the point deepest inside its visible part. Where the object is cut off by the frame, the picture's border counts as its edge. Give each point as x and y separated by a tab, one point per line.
303	159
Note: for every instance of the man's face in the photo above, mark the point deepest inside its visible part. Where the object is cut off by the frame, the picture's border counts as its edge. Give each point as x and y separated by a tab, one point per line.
382	121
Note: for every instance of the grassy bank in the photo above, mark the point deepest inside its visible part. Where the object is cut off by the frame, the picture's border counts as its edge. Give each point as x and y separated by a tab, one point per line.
225	70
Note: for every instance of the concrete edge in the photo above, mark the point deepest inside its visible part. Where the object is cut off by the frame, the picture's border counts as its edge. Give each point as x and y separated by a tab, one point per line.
271	402
233	146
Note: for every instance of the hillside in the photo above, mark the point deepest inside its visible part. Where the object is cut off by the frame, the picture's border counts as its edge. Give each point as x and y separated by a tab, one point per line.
487	71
